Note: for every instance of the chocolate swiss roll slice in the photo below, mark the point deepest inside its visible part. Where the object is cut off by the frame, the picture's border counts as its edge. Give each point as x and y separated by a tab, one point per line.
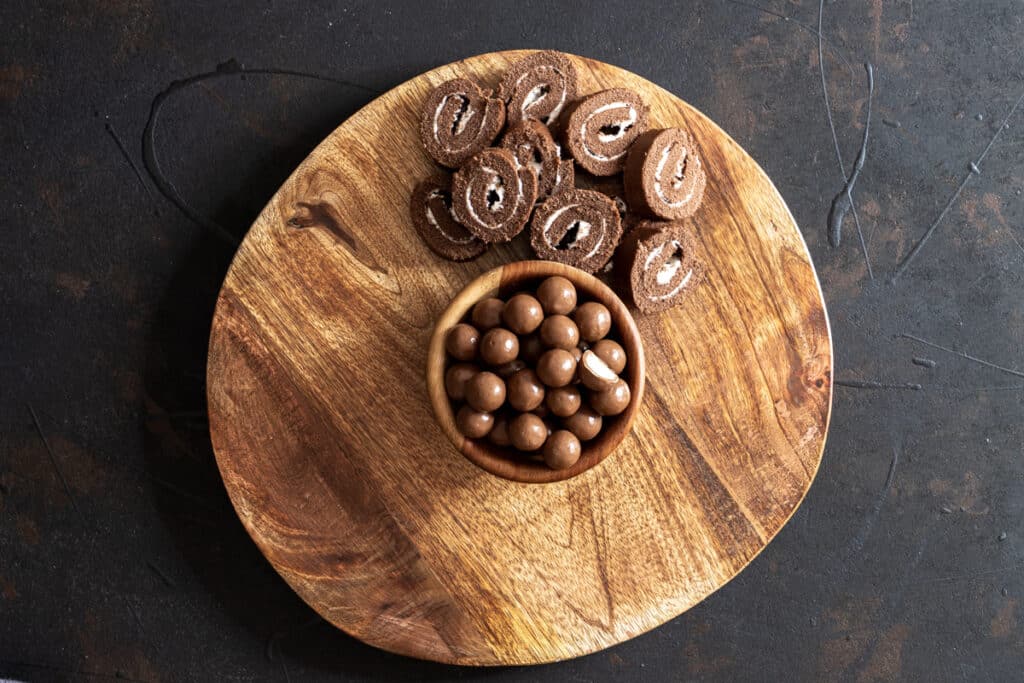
600	128
535	149
538	87
663	175
492	196
580	228
659	265
431	209
458	120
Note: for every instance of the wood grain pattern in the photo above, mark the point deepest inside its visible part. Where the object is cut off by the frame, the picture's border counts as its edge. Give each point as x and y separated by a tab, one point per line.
324	434
503	281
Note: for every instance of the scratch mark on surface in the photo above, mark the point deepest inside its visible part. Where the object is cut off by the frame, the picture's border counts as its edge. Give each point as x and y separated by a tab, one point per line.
149	155
138	619
1013	237
835	235
799	24
131	162
843	202
856	544
1014	387
867	384
974	168
53	459
973	575
924	362
892	469
161	573
973	359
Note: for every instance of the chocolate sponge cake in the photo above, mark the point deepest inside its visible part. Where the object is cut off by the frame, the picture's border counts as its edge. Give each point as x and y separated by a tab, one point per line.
599	129
492	196
664	176
658	264
536	150
458	120
538	87
580	228
431	210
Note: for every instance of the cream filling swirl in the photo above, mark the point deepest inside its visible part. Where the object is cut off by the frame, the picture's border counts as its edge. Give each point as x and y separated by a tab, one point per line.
433	221
660	168
582	232
667	272
605	138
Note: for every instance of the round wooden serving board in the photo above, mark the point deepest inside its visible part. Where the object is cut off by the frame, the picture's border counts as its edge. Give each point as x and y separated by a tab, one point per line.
325	438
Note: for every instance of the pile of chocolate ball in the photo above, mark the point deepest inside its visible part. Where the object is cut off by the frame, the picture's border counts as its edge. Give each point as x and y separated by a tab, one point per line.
537	373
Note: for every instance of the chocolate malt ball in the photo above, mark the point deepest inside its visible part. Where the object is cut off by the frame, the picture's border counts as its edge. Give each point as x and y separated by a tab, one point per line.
556	368
462	342
474	423
523	314
485	391
561	450
527	432
499	346
557	295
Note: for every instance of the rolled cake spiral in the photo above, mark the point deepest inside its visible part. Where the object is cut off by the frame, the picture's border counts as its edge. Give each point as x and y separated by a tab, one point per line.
538	87
459	120
492	196
535	149
578	227
664	176
659	264
600	128
431	209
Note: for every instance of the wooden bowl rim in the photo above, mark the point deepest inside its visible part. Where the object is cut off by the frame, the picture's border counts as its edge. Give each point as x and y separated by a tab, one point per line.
492	458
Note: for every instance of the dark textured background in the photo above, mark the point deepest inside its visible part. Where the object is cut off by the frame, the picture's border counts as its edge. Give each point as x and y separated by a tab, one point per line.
905	562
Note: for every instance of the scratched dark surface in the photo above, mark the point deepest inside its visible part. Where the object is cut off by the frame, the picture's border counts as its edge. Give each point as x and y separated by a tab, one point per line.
120	555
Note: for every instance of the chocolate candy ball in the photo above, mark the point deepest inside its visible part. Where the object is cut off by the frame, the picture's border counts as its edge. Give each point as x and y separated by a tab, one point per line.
525	390
594	321
510	368
556	368
557	295
455	379
612	353
559	332
585	424
527	432
485	391
595	373
487	313
611	401
499	346
530	349
563	401
562	450
499	432
522	314
474	423
462	342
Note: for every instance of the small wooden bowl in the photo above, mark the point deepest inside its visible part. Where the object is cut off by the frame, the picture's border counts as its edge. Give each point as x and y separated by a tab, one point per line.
505	281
